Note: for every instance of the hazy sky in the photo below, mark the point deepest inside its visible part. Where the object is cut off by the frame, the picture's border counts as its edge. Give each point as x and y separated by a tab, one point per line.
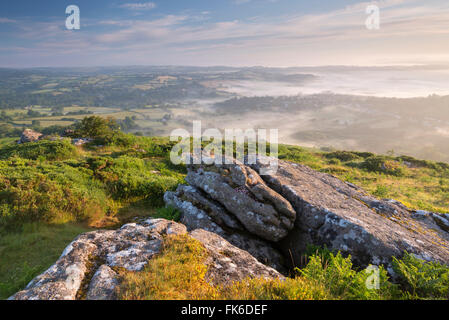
223	32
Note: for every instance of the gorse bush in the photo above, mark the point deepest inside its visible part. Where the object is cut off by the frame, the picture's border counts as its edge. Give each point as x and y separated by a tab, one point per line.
127	177
384	165
342	156
44	149
28	194
53	187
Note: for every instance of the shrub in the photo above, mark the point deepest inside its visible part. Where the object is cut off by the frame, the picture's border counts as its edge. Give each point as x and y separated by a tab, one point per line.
96	127
384	165
342	156
48	150
41	199
33	191
127	177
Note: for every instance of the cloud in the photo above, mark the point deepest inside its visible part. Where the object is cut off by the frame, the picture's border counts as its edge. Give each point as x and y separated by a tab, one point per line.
240	1
139	6
6	20
410	31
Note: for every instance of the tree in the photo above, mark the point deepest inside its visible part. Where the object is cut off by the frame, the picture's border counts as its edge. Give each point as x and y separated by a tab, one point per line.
96	127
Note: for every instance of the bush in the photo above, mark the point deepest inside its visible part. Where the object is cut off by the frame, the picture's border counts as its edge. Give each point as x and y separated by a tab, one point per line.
384	165
342	156
128	177
96	127
41	199
33	191
48	150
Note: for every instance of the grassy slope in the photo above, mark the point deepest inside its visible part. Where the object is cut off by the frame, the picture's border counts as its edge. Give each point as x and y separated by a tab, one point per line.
24	255
423	185
117	183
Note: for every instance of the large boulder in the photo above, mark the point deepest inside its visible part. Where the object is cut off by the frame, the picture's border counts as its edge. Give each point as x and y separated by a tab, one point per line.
242	192
85	269
343	217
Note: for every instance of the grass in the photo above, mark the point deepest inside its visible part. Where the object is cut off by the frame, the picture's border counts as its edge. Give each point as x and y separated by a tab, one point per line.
422	186
179	273
26	254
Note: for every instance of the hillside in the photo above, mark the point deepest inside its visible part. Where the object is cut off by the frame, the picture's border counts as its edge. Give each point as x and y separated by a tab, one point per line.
51	191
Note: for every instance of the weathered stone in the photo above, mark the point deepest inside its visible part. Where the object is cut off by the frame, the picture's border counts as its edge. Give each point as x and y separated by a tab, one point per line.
343	217
194	218
227	263
262	211
214	210
102	285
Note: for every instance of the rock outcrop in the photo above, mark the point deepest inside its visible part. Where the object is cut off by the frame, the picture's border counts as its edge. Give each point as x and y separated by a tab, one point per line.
86	268
29	135
233	200
198	212
242	192
343	217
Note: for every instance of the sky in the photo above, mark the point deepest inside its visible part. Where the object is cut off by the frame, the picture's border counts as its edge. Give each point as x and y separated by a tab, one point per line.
272	33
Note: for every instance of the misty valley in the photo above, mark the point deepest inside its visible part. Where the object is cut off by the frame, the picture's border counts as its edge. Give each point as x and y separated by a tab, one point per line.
156	100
